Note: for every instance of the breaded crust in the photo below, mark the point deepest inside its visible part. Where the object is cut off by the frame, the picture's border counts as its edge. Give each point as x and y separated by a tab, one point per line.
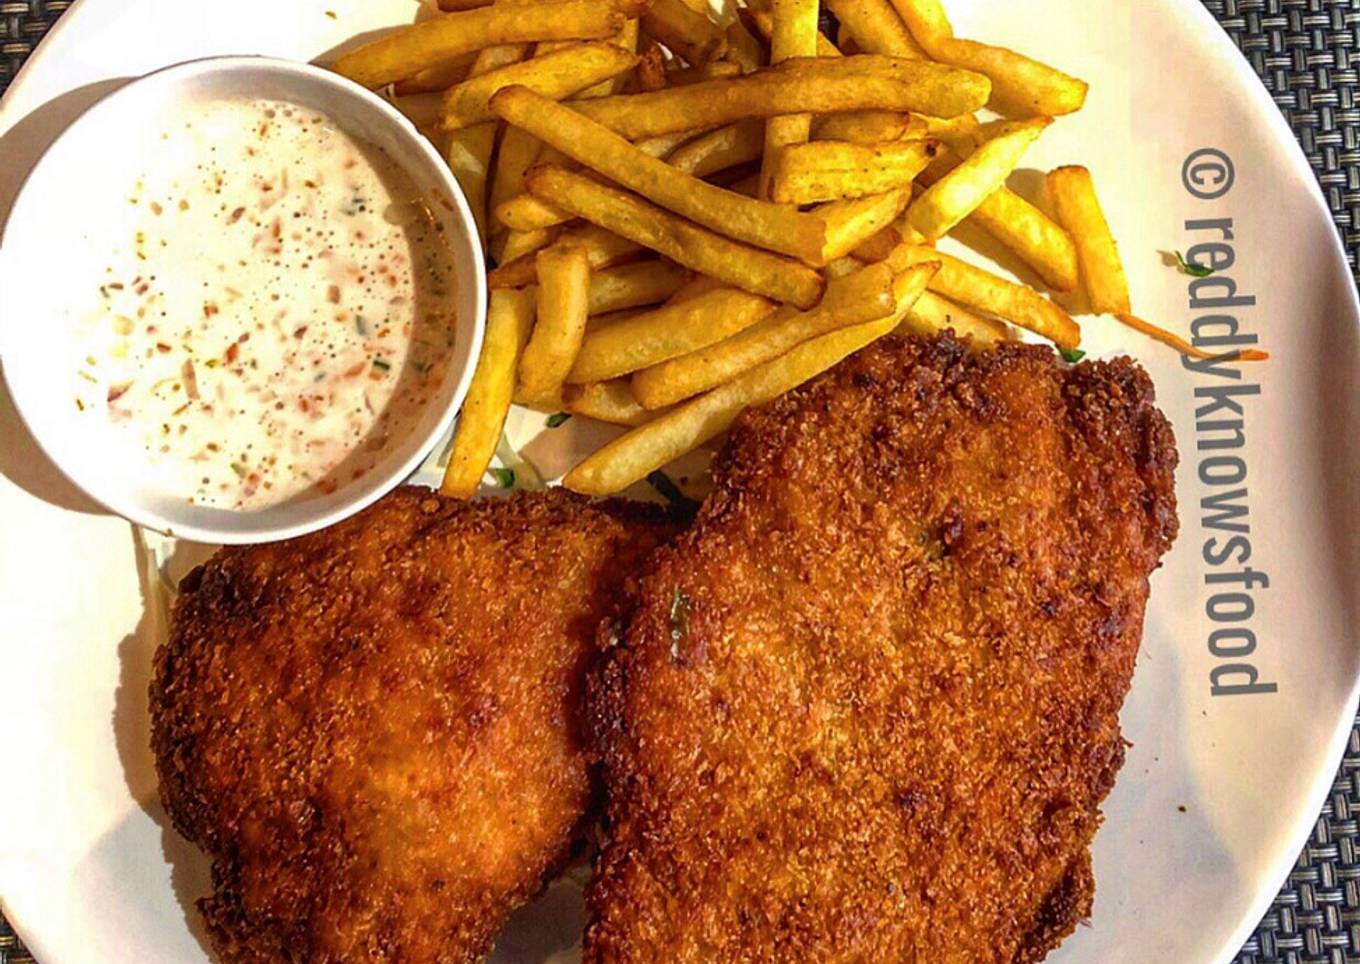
375	731
867	707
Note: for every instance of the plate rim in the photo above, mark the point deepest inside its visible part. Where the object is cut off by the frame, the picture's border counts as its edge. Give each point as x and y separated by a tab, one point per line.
1204	24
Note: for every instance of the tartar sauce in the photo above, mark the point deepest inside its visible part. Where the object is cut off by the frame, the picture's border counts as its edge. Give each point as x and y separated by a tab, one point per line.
276	306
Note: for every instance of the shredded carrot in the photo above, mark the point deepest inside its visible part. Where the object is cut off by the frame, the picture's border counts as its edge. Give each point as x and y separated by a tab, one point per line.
1183	346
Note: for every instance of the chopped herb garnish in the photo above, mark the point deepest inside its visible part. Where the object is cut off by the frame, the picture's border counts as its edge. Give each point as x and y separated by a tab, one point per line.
239	469
670	491
505	478
361	325
382	364
1072	355
555	420
679	621
358	204
1194	269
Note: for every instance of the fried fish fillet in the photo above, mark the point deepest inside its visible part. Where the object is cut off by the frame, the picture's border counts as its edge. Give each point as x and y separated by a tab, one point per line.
867	708
375	731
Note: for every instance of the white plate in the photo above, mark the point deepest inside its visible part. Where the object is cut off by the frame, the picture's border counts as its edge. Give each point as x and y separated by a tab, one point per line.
1218	792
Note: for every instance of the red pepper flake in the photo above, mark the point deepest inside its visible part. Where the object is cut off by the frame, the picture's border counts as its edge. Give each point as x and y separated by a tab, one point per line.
233	350
155	208
209	309
327	486
142	288
163	348
236	215
190	377
118	391
333	294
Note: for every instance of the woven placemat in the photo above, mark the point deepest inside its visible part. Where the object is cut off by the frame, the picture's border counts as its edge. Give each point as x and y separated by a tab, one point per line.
1307	52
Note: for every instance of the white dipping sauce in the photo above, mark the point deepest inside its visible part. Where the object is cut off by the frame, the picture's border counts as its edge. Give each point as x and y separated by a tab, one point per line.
277	306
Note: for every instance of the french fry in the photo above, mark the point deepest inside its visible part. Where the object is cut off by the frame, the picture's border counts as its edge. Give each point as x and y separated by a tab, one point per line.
876	26
1027	231
765	225
960	192
553	75
672	330
611	402
563	299
793	34
631	457
441	76
841	267
632	285
434	41
1072	194
603	249
866	126
526	213
520	243
1021	87
687	32
851	223
509	318
762	22
517	152
713	70
812	85
863	296
932	313
420	109
468	153
836	170
718	150
627	215
977	288
742	48
627	39
879	247
698	285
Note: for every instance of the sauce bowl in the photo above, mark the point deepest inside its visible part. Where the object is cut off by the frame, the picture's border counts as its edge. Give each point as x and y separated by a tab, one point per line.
94	161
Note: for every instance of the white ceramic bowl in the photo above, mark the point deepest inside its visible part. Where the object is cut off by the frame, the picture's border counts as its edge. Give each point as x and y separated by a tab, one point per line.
96	158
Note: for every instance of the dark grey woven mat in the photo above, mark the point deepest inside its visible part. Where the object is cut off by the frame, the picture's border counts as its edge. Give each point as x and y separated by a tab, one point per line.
1308	54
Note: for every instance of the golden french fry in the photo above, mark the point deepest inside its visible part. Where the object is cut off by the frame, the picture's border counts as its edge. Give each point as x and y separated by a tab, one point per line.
850	224
611	402
683	429
1021	87
627	39
742	48
718	150
714	70
865	126
603	249
818	85
521	243
836	170
1072	194
509	318
687	32
632	285
468	153
762	22
1034	237
879	247
438	39
770	226
841	267
863	296
698	285
552	75
517	152
563	299
793	34
978	288
441	76
751	269
877	28
669	331
420	109
932	314
960	192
